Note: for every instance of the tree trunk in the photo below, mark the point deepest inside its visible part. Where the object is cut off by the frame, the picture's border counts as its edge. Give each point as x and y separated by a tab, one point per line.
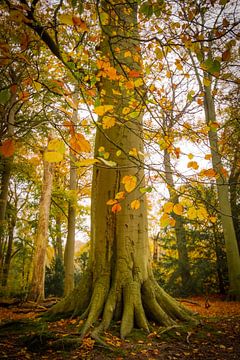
233	258
181	236
58	241
7	260
37	285
120	283
70	244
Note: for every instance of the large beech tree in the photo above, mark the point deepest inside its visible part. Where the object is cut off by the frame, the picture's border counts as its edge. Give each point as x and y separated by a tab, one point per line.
119	283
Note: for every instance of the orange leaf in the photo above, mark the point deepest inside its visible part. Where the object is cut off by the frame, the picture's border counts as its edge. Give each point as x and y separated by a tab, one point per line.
79	143
134	74
129	182
116	208
178	209
7	148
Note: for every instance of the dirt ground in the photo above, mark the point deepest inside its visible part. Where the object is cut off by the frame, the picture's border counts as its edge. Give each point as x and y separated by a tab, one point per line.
23	335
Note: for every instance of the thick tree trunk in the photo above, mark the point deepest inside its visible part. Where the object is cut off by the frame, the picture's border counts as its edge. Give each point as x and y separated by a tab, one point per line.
181	237
233	258
120	283
37	285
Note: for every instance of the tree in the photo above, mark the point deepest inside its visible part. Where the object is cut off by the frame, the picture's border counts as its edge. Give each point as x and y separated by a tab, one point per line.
38	277
120	283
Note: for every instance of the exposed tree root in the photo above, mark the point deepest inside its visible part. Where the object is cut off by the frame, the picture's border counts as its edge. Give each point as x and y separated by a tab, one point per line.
135	302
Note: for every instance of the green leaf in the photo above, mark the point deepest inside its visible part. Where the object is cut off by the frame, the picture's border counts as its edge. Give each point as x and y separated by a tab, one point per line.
146	9
4	96
212	66
144	190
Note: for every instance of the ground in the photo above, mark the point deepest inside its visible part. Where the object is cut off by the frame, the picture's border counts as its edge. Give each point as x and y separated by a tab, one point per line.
23	335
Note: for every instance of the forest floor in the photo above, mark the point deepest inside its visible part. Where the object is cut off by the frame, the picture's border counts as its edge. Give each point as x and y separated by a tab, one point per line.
23	335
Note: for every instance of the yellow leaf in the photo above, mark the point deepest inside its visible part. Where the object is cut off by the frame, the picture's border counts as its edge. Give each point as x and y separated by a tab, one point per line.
66	19
190	156
192	213
133	152
202	213
127	54
102	109
165	220
172	222
115	92
37	86
135	204
101	149
206	82
86	162
108	122
138	82
213	219
118	153
106	155
193	164
178	209
126	110
120	195
53	156
56	145
111	202
168	207
130	182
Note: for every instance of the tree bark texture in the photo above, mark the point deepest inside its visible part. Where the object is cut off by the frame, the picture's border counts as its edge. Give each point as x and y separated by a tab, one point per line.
233	258
120	283
181	237
37	285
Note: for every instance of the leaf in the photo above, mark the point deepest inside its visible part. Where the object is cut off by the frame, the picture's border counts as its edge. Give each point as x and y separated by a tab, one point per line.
206	82
53	156
81	24
130	182
178	209
192	213
165	220
207	156
4	96
56	145
102	109
190	156
167	208
144	190
213	219
135	204
108	122
79	143
37	86
120	195
226	55
202	213
116	208
111	202
133	152
86	162
212	66
108	162
138	82
7	148
134	74
193	164
66	19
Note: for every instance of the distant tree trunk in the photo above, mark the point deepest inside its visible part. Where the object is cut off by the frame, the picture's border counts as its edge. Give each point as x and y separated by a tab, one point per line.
219	261
232	251
181	236
156	247
37	285
234	182
120	283
8	256
58	241
70	244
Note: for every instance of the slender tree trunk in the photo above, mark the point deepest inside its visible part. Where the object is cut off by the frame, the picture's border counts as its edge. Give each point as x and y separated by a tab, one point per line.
7	260
37	285
120	283
232	252
181	236
58	241
234	181
70	244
